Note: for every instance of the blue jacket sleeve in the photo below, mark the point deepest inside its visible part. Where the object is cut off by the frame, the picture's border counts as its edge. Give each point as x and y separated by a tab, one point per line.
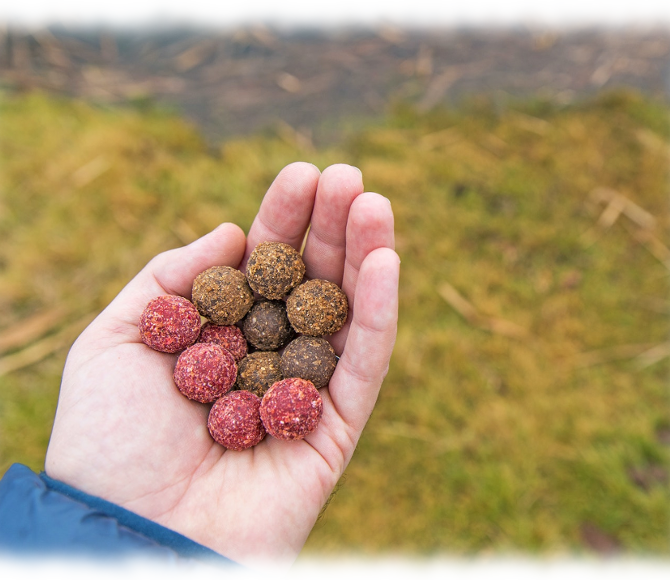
39	514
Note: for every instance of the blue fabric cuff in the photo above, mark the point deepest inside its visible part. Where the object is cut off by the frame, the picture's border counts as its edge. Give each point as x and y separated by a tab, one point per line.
42	514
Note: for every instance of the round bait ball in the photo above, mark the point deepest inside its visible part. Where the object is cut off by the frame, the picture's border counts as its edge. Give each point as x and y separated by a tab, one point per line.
204	372
317	308
274	269
291	409
222	294
309	358
234	421
229	337
266	326
259	371
169	324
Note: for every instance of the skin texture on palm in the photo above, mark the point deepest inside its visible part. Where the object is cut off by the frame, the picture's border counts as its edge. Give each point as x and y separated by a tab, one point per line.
123	431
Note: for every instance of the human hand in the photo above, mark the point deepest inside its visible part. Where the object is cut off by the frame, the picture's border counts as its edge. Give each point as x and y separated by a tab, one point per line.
123	431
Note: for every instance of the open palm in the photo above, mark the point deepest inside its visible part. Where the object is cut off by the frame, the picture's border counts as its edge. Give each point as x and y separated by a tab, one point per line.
123	432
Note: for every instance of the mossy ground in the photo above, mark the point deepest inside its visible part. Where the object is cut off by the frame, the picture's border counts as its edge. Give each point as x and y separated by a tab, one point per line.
481	441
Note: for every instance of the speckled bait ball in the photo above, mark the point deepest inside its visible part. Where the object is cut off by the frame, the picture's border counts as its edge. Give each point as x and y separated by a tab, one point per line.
309	358
259	371
222	294
229	337
291	409
234	421
169	324
317	308
274	269
204	372
266	326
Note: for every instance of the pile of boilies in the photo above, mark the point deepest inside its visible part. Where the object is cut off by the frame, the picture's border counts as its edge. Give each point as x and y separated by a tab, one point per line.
233	360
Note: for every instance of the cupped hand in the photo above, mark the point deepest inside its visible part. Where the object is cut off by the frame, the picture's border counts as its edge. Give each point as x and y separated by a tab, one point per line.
123	431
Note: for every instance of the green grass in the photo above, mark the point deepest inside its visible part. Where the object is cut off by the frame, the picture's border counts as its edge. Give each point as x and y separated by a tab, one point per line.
480	442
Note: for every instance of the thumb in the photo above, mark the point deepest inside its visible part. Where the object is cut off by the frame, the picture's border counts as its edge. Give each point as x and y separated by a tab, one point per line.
172	272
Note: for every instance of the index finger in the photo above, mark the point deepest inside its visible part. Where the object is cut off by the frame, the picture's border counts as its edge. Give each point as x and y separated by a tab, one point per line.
286	209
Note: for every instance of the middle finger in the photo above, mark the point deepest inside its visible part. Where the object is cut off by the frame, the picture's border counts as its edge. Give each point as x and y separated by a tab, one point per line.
325	248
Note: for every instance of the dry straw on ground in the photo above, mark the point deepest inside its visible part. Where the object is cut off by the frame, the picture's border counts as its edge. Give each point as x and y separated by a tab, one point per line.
525	407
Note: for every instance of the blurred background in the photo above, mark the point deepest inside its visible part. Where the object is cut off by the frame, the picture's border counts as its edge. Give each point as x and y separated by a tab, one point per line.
525	151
